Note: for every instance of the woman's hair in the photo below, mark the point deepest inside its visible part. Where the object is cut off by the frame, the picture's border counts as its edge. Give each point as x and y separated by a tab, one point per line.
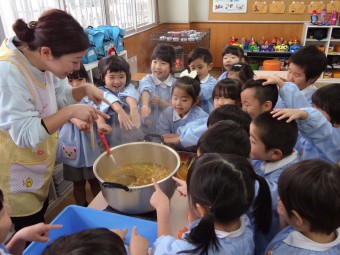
79	74
228	88
311	188
114	63
327	99
275	133
96	241
166	53
233	50
243	70
224	184
191	86
55	29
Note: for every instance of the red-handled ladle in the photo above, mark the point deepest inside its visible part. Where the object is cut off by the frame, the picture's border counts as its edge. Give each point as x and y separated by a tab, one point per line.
120	177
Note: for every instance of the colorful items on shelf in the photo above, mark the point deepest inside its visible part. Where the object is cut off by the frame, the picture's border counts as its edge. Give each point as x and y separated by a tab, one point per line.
333	18
263	45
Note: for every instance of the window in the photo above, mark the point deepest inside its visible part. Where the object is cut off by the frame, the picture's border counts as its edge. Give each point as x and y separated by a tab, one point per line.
133	15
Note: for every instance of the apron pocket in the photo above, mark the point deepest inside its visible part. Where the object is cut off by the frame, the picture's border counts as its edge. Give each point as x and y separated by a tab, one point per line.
27	177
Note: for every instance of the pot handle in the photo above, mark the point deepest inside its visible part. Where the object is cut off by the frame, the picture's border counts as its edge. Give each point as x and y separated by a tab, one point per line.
155	138
113	185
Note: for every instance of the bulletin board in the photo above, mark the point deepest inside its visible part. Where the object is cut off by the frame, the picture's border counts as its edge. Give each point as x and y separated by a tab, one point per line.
272	10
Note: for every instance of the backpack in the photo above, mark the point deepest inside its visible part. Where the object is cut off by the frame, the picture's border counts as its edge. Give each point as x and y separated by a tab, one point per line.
116	34
101	39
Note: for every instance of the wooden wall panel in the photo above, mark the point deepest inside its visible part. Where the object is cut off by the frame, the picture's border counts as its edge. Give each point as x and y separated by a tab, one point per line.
220	34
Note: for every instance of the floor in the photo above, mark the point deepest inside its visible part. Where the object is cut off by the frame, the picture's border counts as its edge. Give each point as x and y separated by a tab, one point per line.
69	199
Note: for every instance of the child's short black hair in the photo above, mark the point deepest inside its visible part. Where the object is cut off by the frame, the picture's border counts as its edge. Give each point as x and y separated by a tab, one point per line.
245	72
114	63
198	53
1	200
87	242
228	88
263	93
311	60
190	85
230	112
79	74
327	98
276	134
233	50
166	53
311	188
225	136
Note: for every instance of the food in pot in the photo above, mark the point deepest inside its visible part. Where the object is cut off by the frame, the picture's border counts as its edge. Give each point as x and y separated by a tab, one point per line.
144	172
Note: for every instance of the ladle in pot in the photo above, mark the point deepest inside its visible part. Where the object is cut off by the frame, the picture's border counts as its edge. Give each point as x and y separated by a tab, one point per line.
120	179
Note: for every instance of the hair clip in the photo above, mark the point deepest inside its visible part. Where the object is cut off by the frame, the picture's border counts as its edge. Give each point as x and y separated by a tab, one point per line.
32	24
192	74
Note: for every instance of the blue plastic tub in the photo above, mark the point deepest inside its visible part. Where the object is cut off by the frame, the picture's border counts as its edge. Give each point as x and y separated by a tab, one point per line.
76	218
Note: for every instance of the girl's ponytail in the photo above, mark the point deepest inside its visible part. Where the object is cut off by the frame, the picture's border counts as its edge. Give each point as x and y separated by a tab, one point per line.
203	236
262	205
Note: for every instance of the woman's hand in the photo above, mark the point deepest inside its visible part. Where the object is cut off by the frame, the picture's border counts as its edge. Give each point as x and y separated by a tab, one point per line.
291	114
181	186
135	117
138	244
145	111
95	94
85	112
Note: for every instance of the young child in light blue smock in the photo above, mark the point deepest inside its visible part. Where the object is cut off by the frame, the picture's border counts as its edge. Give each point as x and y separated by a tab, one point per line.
75	150
124	123
309	193
231	55
221	190
200	59
184	96
155	88
272	150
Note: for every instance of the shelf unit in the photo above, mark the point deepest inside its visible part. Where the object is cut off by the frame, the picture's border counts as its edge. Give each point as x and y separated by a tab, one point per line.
92	69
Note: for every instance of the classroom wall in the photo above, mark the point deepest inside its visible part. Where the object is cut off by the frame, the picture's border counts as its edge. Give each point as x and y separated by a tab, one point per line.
194	14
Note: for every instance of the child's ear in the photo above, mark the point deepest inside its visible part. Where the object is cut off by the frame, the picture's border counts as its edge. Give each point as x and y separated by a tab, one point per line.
46	53
297	219
268	106
210	66
201	210
276	154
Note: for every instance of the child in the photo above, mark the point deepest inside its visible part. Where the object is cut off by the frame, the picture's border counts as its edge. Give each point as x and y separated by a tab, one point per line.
200	59
35	233
318	126
155	88
184	96
221	190
241	71
226	92
74	149
231	55
272	150
305	67
125	120
256	98
309	194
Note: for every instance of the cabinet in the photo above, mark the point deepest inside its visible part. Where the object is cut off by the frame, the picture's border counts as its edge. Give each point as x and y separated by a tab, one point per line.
92	69
327	38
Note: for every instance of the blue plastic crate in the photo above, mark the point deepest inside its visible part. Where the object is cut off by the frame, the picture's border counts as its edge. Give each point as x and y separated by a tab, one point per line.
76	218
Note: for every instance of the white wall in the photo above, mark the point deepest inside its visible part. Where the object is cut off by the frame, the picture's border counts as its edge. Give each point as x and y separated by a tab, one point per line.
183	11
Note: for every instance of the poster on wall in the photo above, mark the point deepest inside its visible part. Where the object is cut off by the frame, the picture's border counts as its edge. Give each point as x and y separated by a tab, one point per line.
229	6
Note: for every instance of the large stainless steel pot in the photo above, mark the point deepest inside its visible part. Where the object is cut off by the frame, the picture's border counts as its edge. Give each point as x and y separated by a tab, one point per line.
135	200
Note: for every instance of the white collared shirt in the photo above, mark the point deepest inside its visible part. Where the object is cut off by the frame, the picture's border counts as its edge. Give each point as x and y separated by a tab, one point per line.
167	82
269	167
296	239
232	234
206	78
175	115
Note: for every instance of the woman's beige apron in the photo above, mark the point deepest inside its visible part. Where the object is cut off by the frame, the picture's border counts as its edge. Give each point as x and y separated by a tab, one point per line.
26	173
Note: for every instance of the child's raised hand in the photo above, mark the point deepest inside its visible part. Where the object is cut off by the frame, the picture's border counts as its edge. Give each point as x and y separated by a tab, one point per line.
36	233
291	114
121	233
158	199
271	79
145	111
171	139
135	117
181	186
155	100
124	120
138	244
